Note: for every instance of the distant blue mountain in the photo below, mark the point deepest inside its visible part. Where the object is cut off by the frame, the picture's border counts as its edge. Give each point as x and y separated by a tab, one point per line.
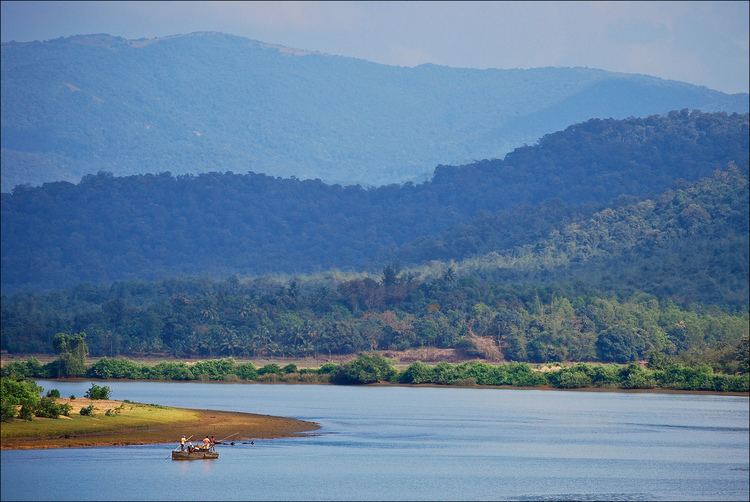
214	102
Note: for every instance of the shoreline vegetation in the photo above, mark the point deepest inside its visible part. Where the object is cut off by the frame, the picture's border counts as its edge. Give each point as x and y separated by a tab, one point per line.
657	374
119	423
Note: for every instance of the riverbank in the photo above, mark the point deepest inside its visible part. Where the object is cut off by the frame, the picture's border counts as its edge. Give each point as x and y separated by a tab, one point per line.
136	423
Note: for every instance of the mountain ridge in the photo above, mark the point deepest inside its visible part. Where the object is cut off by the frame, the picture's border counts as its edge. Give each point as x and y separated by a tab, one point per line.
78	105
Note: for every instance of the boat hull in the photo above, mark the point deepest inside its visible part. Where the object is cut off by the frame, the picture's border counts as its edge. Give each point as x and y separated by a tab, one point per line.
196	455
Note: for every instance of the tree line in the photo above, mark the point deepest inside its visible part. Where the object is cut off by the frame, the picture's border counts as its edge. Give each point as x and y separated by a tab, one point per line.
373	368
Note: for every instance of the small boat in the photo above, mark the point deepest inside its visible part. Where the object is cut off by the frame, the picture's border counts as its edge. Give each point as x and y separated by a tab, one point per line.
194	455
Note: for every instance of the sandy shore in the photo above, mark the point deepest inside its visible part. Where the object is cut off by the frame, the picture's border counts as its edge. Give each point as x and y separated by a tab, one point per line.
144	424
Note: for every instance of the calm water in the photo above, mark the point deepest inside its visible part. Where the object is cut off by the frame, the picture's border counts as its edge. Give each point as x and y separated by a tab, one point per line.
417	443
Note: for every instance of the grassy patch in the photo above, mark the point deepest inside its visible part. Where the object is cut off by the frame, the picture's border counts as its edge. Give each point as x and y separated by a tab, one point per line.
131	417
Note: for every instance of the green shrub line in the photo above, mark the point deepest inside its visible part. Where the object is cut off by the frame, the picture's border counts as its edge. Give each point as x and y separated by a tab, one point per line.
373	368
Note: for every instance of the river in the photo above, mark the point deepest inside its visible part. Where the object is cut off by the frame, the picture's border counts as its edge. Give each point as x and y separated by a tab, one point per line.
381	443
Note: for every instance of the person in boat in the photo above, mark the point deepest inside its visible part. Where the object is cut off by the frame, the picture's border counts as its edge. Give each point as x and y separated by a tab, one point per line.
182	443
191	448
206	443
212	446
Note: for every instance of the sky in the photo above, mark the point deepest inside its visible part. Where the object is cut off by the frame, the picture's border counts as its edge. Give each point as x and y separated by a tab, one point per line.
704	43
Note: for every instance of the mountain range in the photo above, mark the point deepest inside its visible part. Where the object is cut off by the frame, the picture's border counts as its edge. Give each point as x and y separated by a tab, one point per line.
110	228
214	102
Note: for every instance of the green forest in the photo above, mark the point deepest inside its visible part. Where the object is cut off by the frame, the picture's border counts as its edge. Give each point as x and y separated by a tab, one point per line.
609	242
150	227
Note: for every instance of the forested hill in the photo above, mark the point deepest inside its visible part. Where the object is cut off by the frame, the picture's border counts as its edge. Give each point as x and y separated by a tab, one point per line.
548	302
208	101
690	245
150	226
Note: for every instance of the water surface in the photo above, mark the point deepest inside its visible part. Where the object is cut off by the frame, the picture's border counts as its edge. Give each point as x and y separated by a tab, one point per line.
382	443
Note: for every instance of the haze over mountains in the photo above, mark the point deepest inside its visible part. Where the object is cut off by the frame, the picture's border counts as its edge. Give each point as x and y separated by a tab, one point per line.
214	102
158	226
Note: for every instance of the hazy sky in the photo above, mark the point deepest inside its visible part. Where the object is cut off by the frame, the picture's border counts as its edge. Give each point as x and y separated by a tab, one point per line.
704	43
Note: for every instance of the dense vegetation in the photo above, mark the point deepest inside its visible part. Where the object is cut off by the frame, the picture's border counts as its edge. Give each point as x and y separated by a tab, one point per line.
689	245
254	319
372	368
154	226
576	295
21	398
209	101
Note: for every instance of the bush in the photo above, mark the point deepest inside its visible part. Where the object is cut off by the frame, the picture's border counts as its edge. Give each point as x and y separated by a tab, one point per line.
367	368
521	375
327	369
31	368
169	371
416	373
575	377
26	412
289	368
53	393
676	376
14	392
213	369
605	376
270	369
49	408
87	410
731	383
635	377
98	392
72	397
115	368
246	371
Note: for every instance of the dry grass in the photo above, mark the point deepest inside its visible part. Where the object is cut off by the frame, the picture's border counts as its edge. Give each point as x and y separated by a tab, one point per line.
141	424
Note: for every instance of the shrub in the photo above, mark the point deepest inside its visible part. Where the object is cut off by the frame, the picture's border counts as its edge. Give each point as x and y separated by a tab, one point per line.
246	371
98	392
49	408
270	369
31	368
521	375
635	377
289	368
731	383
367	368
14	392
327	368
417	372
87	410
72	397
444	374
570	378
26	412
605	376
115	368
169	371
53	393
214	369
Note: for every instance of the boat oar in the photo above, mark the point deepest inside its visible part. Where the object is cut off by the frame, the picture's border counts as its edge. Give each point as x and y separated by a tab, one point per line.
222	439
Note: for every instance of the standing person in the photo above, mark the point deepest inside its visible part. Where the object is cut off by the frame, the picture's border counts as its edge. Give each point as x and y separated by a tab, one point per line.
182	443
206	443
213	443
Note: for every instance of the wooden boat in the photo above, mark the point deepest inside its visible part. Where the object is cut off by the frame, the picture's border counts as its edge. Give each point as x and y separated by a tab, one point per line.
194	455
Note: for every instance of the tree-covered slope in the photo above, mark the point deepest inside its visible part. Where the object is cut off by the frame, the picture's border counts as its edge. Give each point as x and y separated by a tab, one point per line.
691	245
666	276
209	101
150	226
